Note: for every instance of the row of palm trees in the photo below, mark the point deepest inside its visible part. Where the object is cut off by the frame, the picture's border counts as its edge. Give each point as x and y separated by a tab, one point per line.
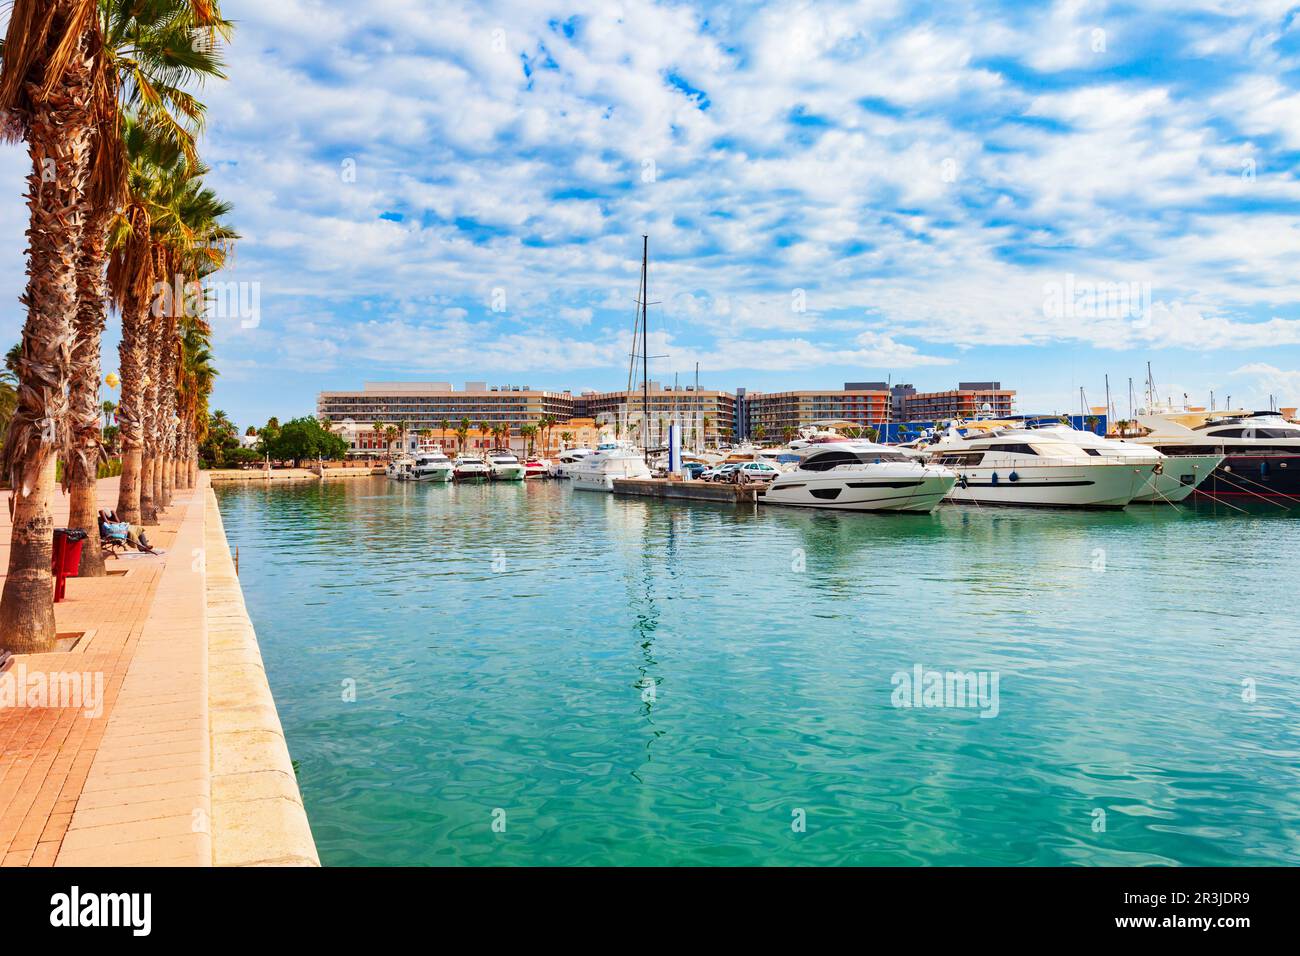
500	432
120	219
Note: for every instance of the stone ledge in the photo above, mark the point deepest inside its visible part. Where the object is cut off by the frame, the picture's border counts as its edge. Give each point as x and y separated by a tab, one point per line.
258	817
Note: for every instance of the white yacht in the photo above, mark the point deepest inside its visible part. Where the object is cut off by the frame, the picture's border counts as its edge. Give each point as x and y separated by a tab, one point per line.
1261	450
859	476
469	468
536	468
400	468
505	466
431	465
565	461
1037	468
610	460
1175	477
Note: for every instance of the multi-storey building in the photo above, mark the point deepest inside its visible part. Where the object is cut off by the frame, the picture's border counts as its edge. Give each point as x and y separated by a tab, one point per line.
425	405
706	415
967	400
771	414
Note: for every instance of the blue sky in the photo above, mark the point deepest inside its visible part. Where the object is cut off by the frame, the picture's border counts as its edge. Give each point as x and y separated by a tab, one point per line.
833	192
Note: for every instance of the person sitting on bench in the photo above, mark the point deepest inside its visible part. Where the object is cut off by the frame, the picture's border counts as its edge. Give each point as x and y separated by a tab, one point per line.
110	530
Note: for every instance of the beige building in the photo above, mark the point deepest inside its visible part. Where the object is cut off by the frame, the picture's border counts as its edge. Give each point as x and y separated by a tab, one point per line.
769	415
707	415
965	401
423	405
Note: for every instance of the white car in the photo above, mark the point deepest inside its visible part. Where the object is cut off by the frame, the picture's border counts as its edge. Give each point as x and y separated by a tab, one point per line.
742	471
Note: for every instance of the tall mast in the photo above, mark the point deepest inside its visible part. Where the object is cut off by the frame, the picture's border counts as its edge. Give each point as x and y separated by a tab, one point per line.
645	348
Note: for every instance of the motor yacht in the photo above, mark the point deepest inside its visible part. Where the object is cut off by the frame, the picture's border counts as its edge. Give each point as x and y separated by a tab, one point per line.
1175	477
431	465
536	468
564	462
399	468
1260	450
505	466
470	468
1037	468
610	460
859	476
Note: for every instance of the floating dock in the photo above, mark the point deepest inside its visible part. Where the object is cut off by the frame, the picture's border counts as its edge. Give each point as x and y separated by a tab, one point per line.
687	490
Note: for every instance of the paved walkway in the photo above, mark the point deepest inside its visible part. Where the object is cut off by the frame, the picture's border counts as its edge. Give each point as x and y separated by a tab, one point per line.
125	776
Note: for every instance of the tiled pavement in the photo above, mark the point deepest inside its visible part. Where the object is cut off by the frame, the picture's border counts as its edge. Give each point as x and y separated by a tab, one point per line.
133	785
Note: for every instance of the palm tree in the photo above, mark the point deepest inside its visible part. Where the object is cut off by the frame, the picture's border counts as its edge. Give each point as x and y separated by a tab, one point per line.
46	94
527	433
760	432
390	435
462	433
169	228
144	51
379	429
566	437
484	429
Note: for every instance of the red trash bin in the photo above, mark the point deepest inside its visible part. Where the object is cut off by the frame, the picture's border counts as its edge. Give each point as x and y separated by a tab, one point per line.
67	558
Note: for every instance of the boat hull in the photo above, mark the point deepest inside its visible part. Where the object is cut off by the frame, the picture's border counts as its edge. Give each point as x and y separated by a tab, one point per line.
1274	477
508	473
1178	479
602	479
1084	485
436	476
462	474
848	492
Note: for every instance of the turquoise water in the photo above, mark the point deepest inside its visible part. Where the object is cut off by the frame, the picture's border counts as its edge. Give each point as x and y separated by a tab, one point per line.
626	681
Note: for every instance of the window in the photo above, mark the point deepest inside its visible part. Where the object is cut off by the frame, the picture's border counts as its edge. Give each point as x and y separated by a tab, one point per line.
1017	449
1229	433
830	459
965	458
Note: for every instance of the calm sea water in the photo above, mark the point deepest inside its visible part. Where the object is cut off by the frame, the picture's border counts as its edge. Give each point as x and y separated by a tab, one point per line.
626	681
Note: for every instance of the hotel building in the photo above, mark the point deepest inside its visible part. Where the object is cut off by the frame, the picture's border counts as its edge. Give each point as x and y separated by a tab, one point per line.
426	405
862	403
965	401
706	415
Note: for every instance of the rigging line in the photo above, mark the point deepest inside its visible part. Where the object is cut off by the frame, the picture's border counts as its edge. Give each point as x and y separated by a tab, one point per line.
1265	487
1254	494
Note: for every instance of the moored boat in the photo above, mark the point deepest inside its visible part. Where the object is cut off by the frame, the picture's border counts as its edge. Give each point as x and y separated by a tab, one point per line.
860	476
469	468
610	460
1027	467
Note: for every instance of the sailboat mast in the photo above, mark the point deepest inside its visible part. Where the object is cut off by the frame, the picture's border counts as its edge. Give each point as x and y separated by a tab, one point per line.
645	347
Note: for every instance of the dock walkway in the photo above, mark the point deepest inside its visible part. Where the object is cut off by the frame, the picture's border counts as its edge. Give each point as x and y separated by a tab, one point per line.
138	774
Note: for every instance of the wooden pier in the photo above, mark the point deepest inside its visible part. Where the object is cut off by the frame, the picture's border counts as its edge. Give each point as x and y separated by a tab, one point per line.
688	490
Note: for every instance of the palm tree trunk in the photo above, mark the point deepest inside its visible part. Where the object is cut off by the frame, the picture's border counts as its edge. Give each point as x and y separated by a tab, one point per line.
132	355
82	469
58	135
151	420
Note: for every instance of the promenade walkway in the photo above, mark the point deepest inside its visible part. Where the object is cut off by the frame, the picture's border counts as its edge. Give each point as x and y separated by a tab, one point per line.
124	774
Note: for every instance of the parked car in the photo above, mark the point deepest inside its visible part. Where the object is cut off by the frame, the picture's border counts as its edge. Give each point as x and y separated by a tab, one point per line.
754	471
717	472
693	469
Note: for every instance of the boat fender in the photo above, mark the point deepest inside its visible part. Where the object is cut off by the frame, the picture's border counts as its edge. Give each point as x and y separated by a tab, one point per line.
1013	477
961	480
995	478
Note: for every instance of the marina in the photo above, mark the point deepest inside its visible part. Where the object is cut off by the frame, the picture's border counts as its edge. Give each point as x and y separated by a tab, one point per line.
647	681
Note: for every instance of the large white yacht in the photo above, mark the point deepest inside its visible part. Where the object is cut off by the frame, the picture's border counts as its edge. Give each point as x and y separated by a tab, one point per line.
1175	478
859	476
1261	449
431	465
1037	468
400	467
564	462
505	466
470	468
610	460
